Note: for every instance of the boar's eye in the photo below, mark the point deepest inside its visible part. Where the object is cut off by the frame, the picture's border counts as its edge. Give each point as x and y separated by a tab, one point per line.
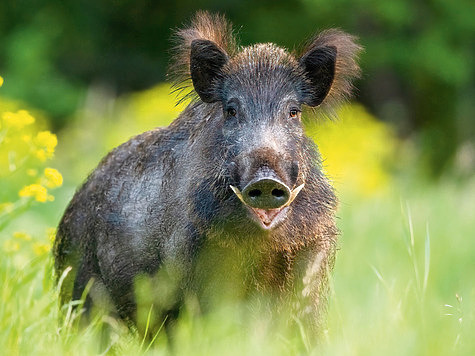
294	113
231	111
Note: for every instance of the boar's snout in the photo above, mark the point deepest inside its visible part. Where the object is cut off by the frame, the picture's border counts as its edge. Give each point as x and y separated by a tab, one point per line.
266	176
266	193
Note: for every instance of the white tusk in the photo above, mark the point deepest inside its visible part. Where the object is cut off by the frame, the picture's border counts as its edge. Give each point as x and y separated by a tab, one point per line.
294	193
238	193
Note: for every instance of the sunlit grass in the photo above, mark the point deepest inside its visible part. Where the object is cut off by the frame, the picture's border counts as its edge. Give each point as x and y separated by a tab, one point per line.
406	266
379	305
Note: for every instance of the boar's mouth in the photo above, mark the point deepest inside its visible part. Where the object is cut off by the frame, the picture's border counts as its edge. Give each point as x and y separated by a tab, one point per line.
268	218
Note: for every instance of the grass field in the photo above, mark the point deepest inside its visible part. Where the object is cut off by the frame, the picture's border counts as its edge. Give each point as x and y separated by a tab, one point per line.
403	284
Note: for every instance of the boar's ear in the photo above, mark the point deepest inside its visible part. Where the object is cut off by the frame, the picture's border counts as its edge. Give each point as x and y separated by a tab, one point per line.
200	51
329	62
319	67
206	62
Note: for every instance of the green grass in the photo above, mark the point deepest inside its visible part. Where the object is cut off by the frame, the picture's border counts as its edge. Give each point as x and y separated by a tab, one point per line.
405	258
403	285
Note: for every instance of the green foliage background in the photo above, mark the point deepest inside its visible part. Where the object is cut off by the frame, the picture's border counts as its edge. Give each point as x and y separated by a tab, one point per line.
418	64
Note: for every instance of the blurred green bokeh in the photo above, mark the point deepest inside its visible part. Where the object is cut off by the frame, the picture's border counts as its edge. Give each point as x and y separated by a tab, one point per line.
418	63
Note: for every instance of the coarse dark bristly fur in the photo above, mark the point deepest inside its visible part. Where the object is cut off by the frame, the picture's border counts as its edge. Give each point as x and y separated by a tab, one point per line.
171	203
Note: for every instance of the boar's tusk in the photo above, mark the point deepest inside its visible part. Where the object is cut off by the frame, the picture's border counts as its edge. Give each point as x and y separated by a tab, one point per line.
238	193
294	193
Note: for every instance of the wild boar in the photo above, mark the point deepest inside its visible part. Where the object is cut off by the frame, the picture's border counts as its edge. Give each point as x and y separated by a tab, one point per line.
230	198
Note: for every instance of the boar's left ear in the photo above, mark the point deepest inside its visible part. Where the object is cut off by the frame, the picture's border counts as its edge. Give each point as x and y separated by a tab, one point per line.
329	63
201	49
206	62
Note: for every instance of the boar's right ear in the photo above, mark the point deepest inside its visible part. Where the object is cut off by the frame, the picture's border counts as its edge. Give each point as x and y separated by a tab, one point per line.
319	67
206	63
329	63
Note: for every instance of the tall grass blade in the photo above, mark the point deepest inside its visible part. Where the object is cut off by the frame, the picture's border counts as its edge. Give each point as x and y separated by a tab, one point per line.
63	277
412	249
146	327
156	334
426	259
411	228
380	277
303	334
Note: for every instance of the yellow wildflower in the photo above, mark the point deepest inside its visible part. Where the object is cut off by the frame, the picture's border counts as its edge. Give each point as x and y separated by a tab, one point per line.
22	236
1	81
53	178
47	142
11	246
41	155
37	191
40	248
17	120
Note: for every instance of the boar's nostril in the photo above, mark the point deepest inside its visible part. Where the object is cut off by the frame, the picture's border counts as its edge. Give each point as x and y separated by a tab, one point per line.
266	193
254	193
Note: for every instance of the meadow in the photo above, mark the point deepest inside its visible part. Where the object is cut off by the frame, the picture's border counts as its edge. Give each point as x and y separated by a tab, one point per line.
403	283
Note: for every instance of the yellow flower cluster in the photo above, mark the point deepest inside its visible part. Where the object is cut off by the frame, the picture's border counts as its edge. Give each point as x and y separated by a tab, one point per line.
22	239
17	120
19	143
20	235
52	179
23	149
36	191
46	143
40	248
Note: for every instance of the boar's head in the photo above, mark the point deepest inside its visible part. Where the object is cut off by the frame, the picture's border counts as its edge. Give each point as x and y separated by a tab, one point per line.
259	92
